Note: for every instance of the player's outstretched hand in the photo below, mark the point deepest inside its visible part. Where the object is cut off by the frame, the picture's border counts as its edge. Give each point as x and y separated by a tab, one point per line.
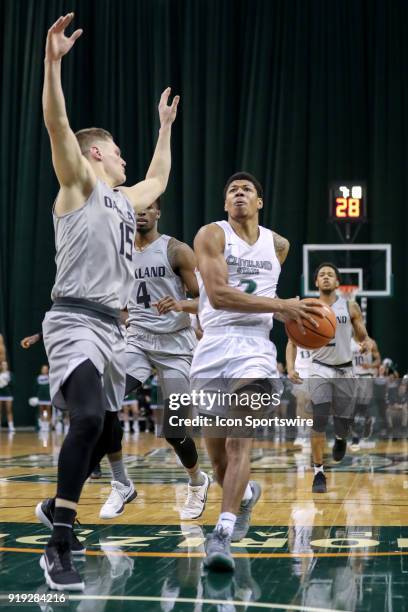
57	43
296	310
167	304
29	341
167	113
294	377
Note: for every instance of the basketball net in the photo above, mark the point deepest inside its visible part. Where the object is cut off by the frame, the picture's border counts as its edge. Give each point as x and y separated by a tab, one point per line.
348	292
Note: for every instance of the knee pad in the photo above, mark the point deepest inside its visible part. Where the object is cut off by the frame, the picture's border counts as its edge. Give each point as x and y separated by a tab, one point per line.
114	433
85	399
87	426
320	417
185	450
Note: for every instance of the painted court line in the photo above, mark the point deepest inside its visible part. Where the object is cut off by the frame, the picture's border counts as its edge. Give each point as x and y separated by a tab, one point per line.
101	553
246	604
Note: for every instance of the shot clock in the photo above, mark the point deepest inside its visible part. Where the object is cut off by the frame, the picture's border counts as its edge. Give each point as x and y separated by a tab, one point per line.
347	202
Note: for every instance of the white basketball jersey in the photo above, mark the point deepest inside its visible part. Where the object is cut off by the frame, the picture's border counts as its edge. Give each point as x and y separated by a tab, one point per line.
360	359
338	351
303	362
252	268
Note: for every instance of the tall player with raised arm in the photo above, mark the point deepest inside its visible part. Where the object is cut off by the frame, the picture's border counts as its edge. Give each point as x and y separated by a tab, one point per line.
239	263
94	222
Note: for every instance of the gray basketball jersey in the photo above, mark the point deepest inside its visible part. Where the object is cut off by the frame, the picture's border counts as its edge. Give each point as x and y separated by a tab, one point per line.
154	279
338	351
95	249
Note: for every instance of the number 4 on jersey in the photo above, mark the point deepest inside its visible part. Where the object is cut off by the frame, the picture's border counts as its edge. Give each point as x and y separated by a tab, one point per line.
142	297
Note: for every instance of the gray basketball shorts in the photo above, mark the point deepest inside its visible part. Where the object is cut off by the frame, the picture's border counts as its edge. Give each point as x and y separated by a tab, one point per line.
334	386
170	354
72	338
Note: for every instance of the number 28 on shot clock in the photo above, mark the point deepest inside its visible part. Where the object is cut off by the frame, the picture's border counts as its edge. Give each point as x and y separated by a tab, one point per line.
347	202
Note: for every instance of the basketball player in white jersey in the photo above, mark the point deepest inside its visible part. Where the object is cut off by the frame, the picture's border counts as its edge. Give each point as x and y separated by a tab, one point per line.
298	363
94	225
331	383
239	264
365	367
164	340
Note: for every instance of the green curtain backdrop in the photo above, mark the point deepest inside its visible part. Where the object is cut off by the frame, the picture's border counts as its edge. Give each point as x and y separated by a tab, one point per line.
299	92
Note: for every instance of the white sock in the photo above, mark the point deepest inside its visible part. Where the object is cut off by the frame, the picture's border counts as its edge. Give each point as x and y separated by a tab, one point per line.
196	477
318	468
226	521
247	496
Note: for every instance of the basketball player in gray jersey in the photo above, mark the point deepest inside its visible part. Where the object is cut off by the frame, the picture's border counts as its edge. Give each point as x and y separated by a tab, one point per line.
163	339
94	223
365	368
332	385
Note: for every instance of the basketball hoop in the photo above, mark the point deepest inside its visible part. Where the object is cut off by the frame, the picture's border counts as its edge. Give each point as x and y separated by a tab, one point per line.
348	292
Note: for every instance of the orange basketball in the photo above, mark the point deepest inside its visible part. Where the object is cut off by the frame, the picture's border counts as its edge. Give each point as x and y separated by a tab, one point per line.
315	337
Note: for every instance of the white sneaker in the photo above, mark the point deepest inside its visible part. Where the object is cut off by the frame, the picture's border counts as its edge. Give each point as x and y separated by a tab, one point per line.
119	496
195	502
127	427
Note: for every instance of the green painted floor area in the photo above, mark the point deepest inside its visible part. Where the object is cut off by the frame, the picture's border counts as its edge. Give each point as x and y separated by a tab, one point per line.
141	567
159	466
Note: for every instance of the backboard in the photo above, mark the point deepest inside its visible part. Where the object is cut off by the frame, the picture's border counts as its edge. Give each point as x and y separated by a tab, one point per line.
369	266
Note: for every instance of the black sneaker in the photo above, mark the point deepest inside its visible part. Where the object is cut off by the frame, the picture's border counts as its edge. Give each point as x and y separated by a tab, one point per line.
319	483
59	572
44	511
97	473
339	449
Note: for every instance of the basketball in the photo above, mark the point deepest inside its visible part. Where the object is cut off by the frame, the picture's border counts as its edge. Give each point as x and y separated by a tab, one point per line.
315	337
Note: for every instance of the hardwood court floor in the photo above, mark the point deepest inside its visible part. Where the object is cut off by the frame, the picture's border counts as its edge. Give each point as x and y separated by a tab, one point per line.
345	550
